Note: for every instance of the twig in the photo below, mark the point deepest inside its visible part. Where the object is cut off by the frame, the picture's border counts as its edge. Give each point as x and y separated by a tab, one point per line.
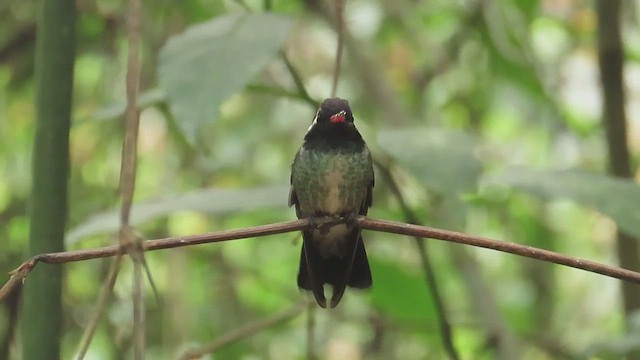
20	40
138	308
614	119
339	14
132	118
297	79
375	83
128	239
245	331
101	304
508	247
19	274
429	272
281	93
499	338
432	283
365	223
311	335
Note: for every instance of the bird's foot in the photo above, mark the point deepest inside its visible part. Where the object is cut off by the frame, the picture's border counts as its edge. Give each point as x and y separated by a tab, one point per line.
350	219
323	223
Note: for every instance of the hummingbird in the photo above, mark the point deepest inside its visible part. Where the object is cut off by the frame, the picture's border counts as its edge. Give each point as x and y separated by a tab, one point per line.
332	176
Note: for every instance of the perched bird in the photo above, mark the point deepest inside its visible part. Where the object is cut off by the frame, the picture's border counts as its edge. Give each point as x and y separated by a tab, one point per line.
332	176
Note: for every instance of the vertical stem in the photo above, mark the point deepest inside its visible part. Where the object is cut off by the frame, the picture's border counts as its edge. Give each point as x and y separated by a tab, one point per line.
132	118
339	14
138	311
611	59
101	305
128	169
431	280
55	51
311	327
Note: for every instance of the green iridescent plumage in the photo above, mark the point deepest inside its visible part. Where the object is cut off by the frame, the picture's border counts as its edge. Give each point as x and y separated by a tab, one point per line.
331	179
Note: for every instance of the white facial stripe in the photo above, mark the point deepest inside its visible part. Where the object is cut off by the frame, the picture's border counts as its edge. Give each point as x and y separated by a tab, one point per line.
315	120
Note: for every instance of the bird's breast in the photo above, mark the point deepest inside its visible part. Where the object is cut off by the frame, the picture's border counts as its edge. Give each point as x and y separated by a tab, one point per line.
331	183
334	183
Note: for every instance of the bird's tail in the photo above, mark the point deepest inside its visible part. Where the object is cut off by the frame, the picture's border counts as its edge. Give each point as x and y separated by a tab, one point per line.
351	270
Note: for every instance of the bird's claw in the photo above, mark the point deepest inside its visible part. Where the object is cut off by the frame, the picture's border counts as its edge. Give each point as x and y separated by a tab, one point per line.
323	223
350	219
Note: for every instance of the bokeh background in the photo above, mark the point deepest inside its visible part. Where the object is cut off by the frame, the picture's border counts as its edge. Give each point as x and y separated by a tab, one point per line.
488	114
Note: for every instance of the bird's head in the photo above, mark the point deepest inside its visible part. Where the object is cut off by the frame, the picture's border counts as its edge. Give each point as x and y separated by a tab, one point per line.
334	111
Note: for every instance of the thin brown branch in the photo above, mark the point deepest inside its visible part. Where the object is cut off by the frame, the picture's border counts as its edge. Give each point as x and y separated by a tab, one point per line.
245	332
128	239
365	223
429	271
297	80
101	304
508	247
373	78
132	115
138	310
311	333
17	277
23	38
505	344
339	16
281	93
19	274
614	119
11	319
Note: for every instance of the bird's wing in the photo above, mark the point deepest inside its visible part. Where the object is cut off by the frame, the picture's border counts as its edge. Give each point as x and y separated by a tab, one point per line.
368	199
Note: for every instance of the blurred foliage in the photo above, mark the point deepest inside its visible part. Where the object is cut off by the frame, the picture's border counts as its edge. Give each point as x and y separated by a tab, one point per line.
486	111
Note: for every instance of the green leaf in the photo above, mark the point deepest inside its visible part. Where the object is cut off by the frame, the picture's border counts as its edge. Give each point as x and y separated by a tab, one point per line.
211	61
617	198
512	66
441	159
399	293
211	201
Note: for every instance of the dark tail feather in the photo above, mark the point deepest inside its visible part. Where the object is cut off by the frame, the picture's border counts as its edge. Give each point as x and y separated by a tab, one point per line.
310	275
352	270
360	272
